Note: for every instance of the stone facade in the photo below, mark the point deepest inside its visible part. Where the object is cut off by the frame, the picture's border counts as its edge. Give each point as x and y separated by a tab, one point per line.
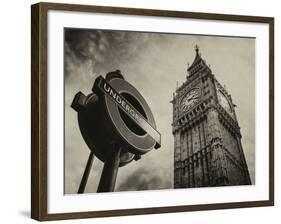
207	138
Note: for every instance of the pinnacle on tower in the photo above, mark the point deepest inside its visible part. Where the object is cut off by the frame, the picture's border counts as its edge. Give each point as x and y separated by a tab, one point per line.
198	63
197	49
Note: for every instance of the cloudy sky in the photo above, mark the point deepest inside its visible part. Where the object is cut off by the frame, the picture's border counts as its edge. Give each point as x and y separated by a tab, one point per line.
153	63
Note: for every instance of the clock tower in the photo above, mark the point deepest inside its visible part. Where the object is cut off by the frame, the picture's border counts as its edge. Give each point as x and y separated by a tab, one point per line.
207	137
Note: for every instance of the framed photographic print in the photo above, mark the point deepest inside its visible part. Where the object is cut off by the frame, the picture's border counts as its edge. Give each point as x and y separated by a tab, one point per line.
139	111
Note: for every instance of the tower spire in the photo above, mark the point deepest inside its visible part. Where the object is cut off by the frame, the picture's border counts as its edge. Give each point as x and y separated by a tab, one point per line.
197	49
198	63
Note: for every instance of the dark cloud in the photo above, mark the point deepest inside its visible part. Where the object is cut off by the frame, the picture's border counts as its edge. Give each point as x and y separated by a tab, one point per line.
144	179
101	48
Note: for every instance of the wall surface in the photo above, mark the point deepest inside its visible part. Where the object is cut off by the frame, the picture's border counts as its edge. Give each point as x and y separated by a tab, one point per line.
15	112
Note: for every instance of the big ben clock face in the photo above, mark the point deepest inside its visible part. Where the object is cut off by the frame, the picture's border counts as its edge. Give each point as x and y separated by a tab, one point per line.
190	98
224	102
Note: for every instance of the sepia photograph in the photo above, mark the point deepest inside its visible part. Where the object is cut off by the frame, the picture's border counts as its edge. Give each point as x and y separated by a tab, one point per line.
153	111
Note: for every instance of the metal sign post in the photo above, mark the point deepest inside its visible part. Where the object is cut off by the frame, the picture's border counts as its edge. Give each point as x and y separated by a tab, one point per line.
110	169
85	176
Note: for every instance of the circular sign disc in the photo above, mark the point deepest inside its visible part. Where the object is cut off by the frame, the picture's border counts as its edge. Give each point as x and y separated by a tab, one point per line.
138	140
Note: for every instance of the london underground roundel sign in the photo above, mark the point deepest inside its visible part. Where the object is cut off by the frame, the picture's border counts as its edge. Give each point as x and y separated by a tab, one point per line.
116	111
